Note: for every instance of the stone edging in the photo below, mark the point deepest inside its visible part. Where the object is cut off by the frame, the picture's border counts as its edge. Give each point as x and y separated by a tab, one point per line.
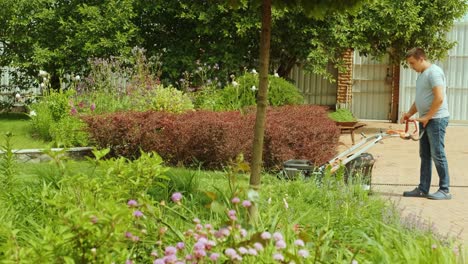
38	155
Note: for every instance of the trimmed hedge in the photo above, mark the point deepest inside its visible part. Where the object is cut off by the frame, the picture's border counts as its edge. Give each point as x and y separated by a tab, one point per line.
212	138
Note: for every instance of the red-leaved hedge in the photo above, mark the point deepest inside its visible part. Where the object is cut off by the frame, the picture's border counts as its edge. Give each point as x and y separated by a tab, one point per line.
213	138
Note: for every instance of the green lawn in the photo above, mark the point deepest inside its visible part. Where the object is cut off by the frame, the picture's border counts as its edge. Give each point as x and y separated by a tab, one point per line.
19	125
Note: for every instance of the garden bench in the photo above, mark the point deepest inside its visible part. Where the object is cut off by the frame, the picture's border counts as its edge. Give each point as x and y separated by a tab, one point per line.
350	129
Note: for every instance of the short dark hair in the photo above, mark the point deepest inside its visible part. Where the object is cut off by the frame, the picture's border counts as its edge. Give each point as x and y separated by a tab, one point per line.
416	53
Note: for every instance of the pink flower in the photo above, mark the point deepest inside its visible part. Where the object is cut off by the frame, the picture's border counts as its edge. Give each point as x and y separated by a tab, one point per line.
92	107
73	111
303	253
235	200
243	250
253	252
159	261
214	256
265	235
280	244
132	203
180	245
128	235
230	252
278	257
277	236
246	203
137	214
299	243
154	254
232	215
170	251
176	197
258	246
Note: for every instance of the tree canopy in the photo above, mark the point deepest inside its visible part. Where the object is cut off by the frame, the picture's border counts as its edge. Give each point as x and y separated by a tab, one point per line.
61	35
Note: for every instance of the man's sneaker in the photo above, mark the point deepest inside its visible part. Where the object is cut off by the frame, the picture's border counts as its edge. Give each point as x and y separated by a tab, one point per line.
415	193
440	195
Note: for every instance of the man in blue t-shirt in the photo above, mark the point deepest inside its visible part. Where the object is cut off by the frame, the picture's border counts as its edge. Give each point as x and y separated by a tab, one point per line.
431	103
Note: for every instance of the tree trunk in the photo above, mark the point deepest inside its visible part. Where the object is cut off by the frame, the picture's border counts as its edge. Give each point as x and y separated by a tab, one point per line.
262	101
286	65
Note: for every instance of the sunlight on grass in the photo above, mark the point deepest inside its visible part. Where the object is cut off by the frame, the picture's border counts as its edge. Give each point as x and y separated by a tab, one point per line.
19	125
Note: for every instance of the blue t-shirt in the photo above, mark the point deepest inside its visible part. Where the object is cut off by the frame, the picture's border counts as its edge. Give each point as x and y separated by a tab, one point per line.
428	79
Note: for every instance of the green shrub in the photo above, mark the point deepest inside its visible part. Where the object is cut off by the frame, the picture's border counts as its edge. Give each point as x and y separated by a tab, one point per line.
243	92
69	131
342	115
167	99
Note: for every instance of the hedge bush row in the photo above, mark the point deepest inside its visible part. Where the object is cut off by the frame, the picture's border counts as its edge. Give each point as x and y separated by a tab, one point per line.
213	138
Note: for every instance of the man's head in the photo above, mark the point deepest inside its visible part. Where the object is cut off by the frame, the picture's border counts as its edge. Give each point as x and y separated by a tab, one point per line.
416	58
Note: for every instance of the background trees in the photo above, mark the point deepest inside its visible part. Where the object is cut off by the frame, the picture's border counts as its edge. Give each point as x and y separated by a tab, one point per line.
59	36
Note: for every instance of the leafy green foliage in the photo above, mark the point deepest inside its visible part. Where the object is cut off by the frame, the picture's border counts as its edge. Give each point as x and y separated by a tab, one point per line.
87	217
242	93
54	118
342	115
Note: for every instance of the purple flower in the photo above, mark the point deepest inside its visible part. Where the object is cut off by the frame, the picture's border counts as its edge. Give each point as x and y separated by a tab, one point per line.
304	253
170	251
132	203
278	257
137	214
199	253
277	236
73	111
235	200
180	245
159	261
280	244
253	252
258	246
92	107
265	235
176	197
243	250
128	235
214	256
230	252
246	203
299	243
232	215
128	261
170	258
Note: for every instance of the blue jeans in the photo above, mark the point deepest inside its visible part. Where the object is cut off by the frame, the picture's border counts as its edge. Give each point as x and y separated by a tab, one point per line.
432	148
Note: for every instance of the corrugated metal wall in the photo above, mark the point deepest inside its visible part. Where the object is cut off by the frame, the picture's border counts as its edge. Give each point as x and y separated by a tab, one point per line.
314	88
456	70
372	95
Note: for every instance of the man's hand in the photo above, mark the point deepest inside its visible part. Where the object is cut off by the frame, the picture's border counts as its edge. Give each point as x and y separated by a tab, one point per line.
423	120
404	117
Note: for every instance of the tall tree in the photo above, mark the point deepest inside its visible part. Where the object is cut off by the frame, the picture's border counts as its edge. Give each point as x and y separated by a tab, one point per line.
315	8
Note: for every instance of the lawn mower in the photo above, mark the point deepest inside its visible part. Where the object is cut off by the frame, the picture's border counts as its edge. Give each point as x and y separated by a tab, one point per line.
355	159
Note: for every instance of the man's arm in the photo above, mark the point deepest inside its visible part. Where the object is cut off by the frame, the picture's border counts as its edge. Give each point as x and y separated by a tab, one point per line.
436	103
413	110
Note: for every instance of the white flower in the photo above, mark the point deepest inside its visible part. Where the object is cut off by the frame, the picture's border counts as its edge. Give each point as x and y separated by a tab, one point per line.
18	96
77	78
253	88
32	113
42	73
42	85
276	74
254	71
234	83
